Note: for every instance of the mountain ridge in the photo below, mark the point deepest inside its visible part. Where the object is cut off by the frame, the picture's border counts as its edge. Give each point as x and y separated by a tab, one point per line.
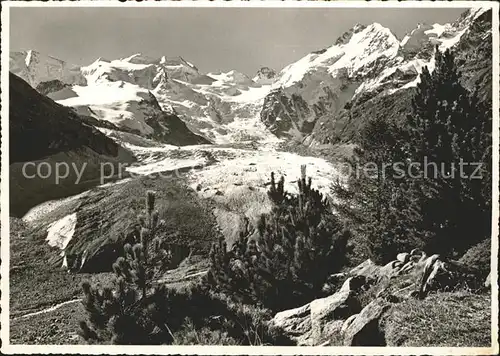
365	62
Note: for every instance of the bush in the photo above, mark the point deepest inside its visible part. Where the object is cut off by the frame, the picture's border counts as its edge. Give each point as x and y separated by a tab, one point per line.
138	311
190	335
197	314
134	311
479	257
300	243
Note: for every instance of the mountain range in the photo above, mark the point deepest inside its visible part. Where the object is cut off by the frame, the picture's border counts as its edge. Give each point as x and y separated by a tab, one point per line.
323	98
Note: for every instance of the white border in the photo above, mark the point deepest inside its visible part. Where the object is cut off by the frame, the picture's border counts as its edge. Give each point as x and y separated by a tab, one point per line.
235	350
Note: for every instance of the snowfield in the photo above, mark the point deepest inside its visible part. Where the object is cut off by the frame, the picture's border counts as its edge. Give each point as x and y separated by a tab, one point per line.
59	233
213	169
116	102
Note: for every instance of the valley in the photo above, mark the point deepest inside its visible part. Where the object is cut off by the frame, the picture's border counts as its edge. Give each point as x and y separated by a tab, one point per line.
204	146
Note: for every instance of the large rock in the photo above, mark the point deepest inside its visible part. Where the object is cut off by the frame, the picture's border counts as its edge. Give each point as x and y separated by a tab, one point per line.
487	282
338	306
416	274
444	275
315	322
403	257
296	323
367	269
363	330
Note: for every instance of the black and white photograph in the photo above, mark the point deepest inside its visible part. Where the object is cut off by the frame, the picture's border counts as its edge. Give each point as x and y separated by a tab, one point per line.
250	177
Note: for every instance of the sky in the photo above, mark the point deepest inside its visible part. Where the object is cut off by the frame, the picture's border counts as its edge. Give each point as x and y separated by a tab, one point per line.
213	39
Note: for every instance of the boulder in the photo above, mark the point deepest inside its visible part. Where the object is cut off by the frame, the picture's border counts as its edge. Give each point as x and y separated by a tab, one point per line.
439	274
404	257
363	330
296	323
338	306
331	334
391	269
367	269
487	282
347	323
313	323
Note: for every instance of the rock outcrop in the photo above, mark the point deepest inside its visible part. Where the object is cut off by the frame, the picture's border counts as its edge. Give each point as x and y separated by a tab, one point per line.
354	314
363	329
311	323
265	75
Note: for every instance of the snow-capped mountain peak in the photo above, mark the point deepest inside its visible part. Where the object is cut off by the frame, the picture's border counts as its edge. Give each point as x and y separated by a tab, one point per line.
355	50
231	77
139	58
35	68
366	62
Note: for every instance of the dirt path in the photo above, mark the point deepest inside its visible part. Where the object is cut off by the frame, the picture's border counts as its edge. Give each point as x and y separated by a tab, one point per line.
48	310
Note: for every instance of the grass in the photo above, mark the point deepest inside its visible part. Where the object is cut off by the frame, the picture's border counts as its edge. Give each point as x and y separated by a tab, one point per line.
59	327
35	285
198	314
237	203
107	216
34	282
190	335
458	319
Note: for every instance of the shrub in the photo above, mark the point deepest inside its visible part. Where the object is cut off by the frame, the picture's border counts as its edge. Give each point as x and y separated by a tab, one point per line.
197	314
300	243
448	127
134	311
479	258
190	335
377	208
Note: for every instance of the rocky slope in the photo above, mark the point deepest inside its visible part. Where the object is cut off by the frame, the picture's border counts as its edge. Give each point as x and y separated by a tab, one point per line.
44	131
372	305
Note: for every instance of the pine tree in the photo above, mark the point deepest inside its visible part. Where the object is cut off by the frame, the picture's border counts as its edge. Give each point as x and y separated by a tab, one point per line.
132	312
300	244
426	203
374	201
450	126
